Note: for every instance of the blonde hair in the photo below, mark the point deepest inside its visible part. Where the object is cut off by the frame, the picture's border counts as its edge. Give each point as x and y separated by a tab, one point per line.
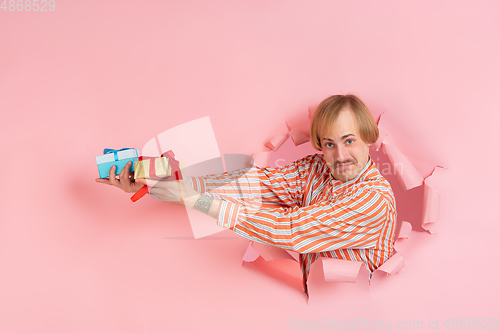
328	111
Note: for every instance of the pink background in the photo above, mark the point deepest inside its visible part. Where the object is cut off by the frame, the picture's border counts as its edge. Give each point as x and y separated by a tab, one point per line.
77	256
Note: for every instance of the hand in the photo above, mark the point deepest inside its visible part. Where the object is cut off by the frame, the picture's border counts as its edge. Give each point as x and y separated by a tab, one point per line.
179	192
125	182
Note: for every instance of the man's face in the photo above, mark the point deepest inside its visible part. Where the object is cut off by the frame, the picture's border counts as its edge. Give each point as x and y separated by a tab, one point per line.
344	151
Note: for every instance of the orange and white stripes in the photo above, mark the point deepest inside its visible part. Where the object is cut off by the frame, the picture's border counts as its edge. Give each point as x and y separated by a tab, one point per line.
302	208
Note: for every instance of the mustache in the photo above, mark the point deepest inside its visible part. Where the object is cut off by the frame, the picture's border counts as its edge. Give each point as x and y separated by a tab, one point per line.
336	164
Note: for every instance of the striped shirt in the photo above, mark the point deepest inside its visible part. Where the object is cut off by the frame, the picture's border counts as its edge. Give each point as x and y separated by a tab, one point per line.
302	208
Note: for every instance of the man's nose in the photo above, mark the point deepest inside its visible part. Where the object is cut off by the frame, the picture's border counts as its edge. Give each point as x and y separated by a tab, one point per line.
341	154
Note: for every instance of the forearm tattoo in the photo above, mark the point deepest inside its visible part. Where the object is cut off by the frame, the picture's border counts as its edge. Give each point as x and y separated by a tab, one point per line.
203	204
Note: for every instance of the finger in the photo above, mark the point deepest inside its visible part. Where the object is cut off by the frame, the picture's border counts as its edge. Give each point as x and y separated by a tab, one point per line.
124	180
134	184
112	176
103	181
141	181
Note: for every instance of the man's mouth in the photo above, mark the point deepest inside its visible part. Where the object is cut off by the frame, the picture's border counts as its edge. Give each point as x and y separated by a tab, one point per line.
342	166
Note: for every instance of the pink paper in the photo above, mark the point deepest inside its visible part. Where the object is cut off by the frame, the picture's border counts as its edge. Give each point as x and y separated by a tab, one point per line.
269	252
299	137
408	177
393	265
276	142
250	254
339	270
294	255
202	225
382	134
431	199
311	111
405	230
80	256
261	159
299	128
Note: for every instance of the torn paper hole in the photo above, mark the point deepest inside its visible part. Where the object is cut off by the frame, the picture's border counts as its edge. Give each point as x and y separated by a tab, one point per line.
408	177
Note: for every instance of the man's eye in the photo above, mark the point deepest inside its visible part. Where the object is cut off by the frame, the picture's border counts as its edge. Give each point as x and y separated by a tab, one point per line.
329	144
350	141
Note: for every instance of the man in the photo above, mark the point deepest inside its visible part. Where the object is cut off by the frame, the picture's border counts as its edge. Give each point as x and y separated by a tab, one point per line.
334	204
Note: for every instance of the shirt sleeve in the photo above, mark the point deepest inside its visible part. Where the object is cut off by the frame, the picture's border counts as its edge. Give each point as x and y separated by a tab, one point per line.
259	186
353	222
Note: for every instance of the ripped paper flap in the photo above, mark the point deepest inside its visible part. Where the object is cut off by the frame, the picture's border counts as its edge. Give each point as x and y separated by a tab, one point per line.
393	265
408	177
299	129
250	254
339	270
431	199
275	143
405	230
267	252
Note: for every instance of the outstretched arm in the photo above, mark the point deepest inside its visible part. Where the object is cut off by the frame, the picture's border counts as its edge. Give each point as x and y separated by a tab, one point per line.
357	221
274	186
